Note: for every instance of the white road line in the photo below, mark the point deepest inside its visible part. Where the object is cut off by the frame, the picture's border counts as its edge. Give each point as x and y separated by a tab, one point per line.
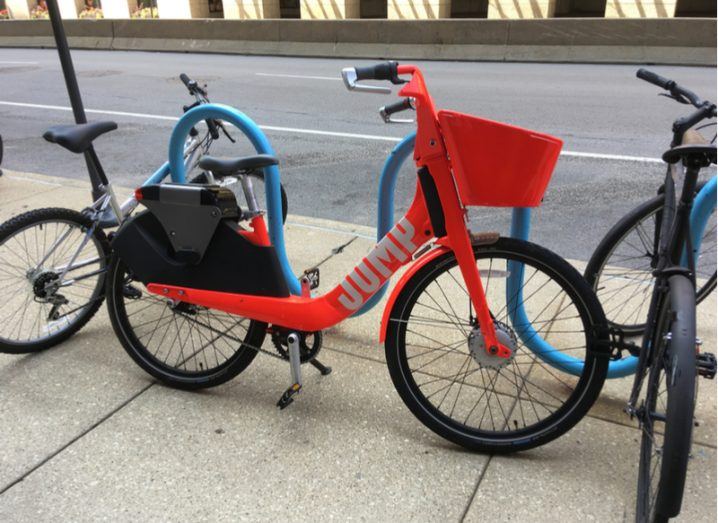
331	133
618	157
33	180
392	139
300	76
5	62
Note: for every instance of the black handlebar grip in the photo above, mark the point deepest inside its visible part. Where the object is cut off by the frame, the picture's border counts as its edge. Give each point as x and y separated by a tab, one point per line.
185	80
401	105
655	79
382	71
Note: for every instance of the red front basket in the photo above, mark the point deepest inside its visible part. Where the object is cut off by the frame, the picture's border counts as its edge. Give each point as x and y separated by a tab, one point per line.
498	165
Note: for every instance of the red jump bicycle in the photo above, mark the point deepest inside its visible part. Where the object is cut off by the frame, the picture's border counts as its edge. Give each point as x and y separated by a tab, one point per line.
195	286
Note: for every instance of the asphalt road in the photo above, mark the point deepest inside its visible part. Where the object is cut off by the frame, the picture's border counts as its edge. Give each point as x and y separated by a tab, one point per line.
599	109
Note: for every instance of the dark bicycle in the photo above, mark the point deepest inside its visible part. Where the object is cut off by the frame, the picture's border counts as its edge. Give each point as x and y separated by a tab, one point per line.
664	390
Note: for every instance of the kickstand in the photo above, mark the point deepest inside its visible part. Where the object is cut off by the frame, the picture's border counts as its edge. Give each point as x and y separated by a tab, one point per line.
295	366
323	369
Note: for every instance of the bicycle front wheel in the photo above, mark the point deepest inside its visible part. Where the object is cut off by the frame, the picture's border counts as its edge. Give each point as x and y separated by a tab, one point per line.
666	416
446	377
52	265
621	268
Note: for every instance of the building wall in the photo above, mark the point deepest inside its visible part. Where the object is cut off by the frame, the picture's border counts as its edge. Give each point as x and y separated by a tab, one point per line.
640	8
392	9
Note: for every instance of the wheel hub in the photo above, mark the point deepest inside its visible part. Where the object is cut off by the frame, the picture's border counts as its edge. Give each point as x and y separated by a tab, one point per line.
477	346
45	285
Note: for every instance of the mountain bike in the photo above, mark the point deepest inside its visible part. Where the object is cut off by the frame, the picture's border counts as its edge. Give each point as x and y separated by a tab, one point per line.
192	305
54	259
621	268
664	390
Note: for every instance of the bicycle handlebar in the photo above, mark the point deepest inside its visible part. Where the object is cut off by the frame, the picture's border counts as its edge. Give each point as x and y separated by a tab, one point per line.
185	80
402	105
382	71
653	78
705	108
678	92
201	96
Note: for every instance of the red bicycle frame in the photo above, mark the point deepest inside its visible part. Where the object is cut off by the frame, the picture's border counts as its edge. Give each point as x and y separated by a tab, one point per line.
396	249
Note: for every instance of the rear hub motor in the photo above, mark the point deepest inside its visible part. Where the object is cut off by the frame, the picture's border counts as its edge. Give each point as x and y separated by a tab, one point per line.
478	350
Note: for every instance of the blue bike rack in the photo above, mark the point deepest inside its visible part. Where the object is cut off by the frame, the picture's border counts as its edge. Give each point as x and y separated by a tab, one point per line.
520	225
271	174
703	206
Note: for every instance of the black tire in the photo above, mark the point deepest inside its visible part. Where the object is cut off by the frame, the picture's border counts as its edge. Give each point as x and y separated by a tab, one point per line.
202	178
580	391
20	253
670	400
188	327
627	307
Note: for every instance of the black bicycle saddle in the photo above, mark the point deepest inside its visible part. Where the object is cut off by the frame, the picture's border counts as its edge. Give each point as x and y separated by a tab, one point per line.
702	155
78	138
229	166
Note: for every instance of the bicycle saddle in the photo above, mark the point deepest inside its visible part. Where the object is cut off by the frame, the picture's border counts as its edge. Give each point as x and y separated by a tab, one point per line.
229	166
78	138
703	155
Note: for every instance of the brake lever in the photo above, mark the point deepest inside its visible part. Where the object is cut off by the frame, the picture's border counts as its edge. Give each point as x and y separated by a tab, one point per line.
349	75
678	98
388	118
224	130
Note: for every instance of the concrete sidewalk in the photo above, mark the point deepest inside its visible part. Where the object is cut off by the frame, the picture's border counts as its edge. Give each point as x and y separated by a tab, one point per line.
86	435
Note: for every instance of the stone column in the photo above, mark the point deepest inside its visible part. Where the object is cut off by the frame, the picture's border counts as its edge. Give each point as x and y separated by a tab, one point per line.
418	9
329	9
20	9
640	8
251	9
118	8
183	8
521	8
70	8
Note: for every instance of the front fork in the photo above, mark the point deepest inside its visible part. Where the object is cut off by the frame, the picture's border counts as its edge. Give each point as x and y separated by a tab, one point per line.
459	240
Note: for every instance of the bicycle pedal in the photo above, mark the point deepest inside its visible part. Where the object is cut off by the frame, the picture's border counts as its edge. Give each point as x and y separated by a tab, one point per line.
706	363
312	276
287	398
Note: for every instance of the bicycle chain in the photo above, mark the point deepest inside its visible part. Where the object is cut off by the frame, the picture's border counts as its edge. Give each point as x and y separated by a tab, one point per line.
220	333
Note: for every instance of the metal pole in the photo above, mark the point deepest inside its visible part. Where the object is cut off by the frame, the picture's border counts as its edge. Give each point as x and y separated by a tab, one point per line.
97	175
68	69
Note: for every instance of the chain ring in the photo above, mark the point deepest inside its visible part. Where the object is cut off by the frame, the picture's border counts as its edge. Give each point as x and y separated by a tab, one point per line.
306	353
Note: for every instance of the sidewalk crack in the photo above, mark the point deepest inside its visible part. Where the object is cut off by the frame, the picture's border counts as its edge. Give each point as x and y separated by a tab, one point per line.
476	489
75	439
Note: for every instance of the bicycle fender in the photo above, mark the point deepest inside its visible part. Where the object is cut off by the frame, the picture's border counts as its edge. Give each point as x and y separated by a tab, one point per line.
427	257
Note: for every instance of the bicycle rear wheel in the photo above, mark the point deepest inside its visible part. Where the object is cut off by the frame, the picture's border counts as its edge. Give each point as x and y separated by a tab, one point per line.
444	374
183	345
41	307
666	416
621	268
